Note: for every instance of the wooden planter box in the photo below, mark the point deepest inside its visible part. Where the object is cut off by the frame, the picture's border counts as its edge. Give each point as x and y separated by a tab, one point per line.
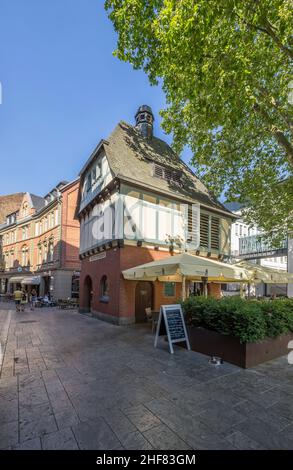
231	350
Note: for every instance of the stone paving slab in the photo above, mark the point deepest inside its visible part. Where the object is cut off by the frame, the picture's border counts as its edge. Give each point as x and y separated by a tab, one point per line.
60	440
68	381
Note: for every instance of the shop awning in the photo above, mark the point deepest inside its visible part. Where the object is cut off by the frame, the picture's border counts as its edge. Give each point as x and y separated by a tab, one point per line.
192	267
15	280
268	275
31	281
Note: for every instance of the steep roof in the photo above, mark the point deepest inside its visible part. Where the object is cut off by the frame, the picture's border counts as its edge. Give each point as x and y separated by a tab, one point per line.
9	204
130	156
37	201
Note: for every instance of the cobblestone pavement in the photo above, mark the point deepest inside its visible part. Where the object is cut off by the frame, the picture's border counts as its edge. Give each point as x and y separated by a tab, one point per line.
73	382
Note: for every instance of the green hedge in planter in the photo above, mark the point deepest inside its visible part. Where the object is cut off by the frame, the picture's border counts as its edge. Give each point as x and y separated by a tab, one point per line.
248	320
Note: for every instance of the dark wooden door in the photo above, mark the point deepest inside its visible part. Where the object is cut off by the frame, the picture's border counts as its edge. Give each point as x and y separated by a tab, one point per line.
88	294
143	299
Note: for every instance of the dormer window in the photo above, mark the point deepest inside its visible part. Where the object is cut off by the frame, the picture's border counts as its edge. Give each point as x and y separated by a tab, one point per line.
172	176
94	174
88	183
25	209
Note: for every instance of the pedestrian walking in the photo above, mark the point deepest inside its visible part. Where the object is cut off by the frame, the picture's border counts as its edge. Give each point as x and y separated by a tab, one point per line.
33	298
17	298
23	301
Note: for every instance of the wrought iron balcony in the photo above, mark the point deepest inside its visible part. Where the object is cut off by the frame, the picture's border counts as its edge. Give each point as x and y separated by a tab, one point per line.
255	246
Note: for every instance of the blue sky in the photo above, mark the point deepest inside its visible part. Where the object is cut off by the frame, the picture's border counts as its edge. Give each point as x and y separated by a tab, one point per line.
62	90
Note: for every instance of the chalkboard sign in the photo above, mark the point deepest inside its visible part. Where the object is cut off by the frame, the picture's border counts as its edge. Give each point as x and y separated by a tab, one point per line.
173	325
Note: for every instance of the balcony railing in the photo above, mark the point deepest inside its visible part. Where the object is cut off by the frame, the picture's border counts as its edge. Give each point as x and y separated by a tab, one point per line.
256	246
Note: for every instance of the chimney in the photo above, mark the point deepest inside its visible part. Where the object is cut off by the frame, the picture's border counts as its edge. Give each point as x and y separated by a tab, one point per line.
144	121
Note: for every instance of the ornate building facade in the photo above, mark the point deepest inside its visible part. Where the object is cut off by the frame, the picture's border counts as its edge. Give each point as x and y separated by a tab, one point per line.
40	244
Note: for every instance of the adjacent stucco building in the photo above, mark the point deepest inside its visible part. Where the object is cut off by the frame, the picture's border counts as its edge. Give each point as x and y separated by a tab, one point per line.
40	244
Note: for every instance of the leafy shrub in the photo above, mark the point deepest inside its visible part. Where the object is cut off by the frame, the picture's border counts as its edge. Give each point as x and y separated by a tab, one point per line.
248	320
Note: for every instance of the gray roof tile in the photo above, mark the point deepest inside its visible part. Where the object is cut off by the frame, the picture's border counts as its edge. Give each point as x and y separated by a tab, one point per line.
130	156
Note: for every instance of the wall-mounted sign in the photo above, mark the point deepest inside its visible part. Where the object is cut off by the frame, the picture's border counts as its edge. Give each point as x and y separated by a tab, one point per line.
171	322
97	256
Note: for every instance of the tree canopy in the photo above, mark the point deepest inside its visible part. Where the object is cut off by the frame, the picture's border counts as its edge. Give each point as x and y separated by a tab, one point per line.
226	70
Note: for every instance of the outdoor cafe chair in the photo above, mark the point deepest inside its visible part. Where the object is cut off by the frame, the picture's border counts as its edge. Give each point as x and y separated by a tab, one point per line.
152	317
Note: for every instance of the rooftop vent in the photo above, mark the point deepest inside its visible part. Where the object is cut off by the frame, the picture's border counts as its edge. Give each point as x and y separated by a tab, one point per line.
172	176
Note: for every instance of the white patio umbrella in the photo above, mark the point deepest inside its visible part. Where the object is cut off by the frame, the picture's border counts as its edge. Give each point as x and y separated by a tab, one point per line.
260	273
185	266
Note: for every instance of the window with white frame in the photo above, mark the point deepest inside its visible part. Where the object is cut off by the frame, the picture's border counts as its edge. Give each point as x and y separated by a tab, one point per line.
11	258
24	255
45	252
40	257
25	232
51	249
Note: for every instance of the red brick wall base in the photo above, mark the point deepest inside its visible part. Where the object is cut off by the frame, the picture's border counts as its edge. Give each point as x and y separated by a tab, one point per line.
121	306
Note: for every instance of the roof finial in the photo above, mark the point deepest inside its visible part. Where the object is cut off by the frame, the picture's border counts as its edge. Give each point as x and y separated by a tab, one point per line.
144	121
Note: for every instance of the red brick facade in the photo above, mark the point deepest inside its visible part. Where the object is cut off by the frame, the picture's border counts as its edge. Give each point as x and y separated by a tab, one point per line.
122	302
214	290
70	228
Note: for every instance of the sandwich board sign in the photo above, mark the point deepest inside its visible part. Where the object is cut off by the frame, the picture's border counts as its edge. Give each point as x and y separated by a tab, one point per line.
171	322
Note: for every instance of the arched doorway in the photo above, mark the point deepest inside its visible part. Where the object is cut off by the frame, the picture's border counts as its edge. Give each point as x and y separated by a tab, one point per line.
143	299
88	294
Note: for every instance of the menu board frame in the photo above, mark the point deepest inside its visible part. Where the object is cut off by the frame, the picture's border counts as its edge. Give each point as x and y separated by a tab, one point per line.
166	310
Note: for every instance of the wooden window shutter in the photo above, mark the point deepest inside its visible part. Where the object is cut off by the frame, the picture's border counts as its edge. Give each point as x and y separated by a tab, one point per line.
204	230
215	233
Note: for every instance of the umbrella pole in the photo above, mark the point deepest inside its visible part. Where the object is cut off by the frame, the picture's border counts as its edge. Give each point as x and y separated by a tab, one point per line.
241	290
205	288
248	290
183	288
188	289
